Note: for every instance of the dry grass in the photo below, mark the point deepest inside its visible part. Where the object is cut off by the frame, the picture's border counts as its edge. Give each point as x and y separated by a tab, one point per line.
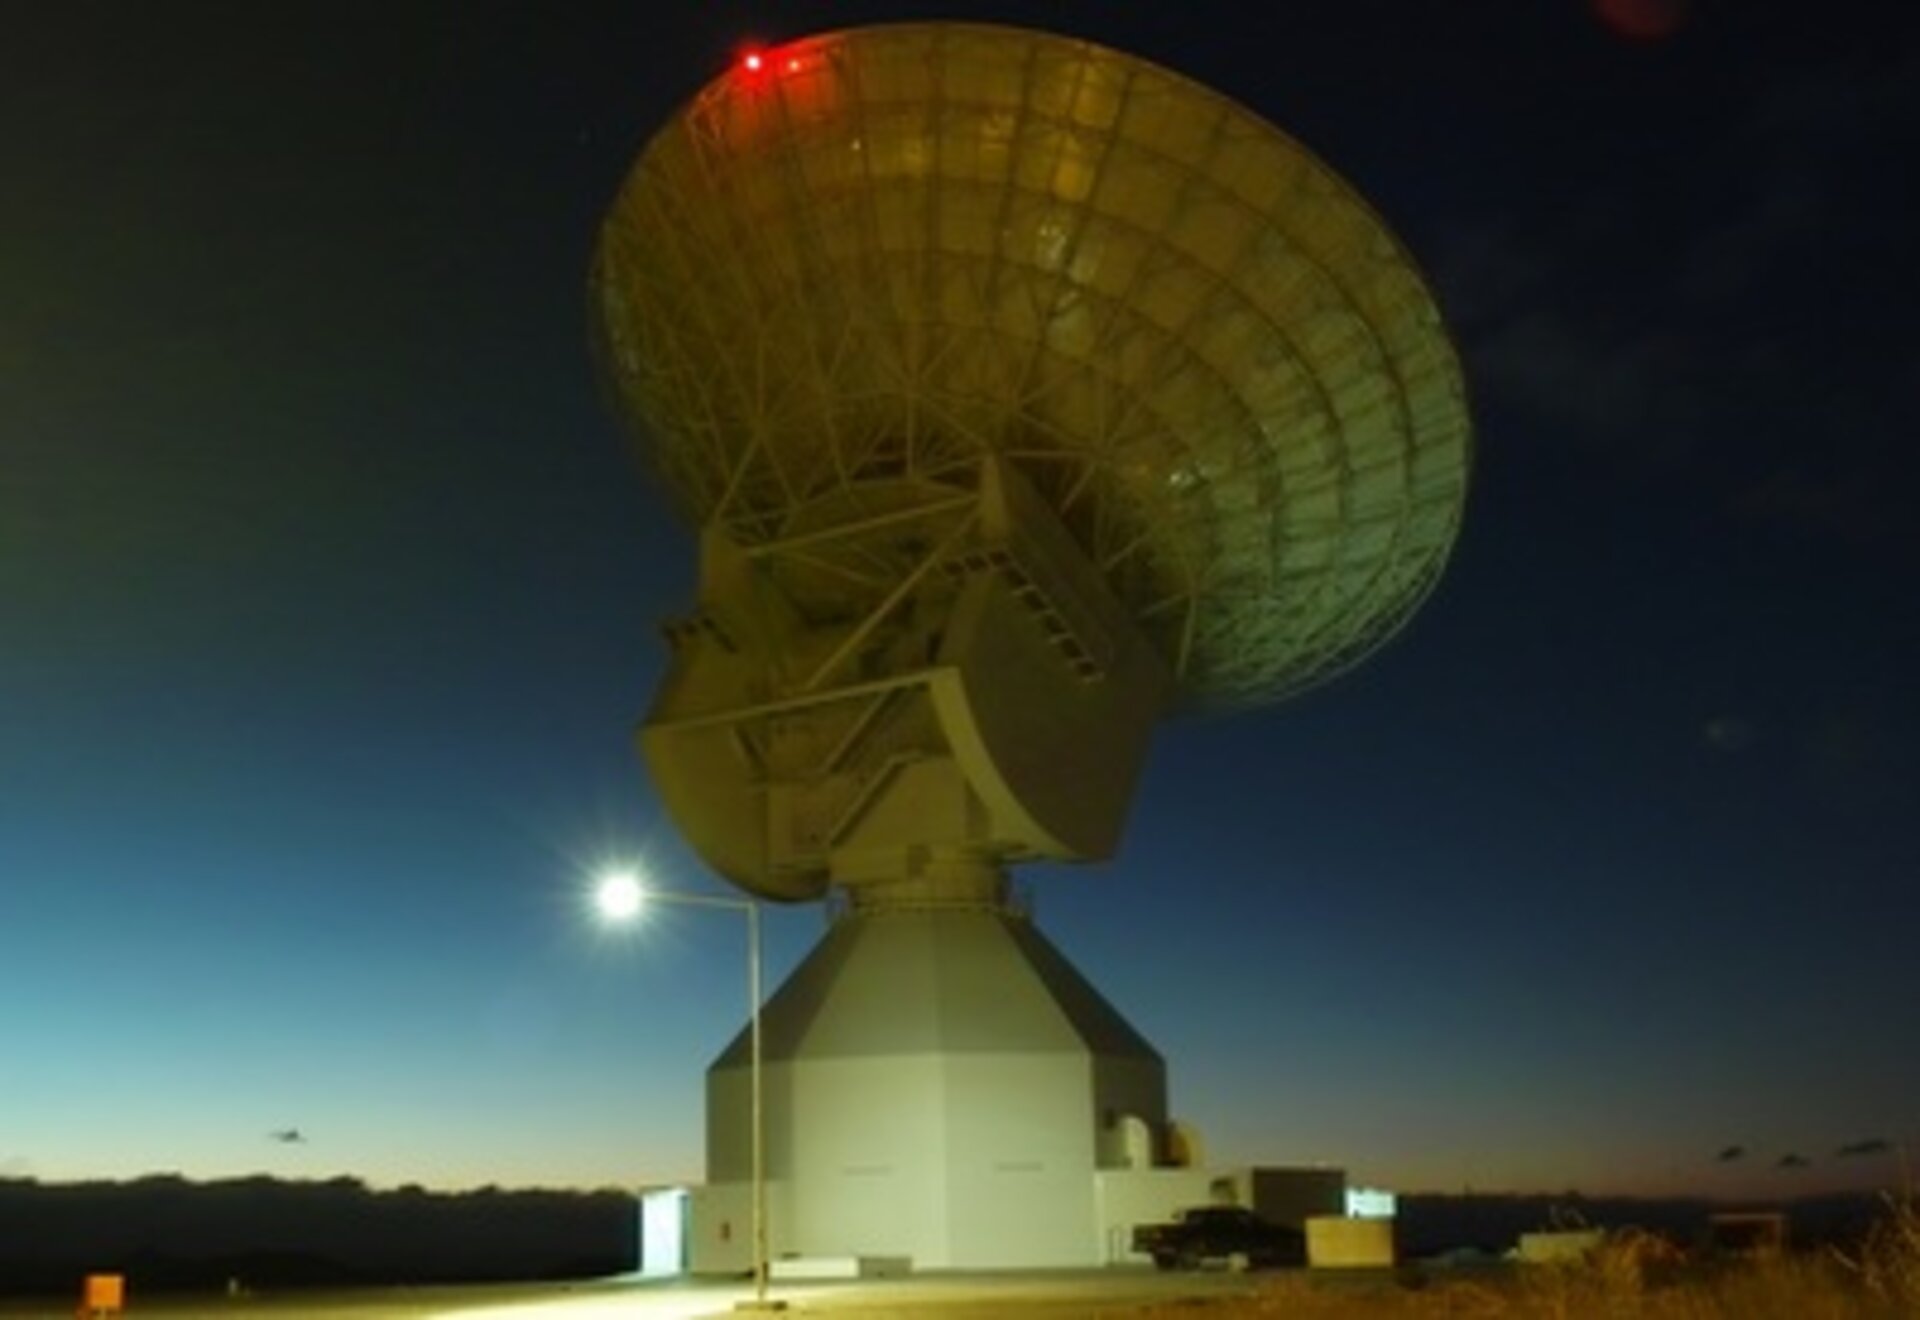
1635	1276
1887	1266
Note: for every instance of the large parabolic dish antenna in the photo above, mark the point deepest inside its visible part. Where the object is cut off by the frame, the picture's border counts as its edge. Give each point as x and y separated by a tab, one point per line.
894	308
1022	393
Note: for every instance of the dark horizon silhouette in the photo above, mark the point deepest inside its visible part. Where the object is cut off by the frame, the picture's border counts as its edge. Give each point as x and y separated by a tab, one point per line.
166	1232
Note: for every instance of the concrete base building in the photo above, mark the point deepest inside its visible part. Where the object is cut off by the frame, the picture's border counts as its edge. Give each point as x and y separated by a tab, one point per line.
944	1091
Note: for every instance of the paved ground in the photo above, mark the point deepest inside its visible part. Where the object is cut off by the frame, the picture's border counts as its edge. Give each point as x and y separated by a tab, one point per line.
1050	1295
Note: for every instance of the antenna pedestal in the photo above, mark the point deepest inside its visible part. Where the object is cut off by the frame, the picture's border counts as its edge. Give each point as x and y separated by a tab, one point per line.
939	1084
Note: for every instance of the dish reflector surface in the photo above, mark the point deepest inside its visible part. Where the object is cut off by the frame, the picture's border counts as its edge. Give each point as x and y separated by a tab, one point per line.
865	262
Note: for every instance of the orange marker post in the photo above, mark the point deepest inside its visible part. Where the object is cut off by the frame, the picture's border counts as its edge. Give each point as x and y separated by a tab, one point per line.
103	1295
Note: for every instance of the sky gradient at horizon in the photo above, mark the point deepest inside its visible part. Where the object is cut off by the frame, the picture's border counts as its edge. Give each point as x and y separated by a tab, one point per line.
329	597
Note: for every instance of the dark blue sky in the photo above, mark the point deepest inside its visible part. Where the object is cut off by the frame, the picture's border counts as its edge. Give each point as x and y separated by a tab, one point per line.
328	599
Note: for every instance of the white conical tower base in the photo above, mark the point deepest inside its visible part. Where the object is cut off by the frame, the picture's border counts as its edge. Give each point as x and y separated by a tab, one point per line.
939	1084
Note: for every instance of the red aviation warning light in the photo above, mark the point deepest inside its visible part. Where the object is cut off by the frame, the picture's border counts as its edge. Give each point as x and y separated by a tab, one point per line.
759	61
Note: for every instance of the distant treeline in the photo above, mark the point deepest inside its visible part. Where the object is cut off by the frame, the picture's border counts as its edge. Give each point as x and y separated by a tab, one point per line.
167	1232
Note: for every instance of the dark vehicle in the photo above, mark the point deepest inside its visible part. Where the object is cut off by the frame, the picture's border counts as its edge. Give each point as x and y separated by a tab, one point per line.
1219	1232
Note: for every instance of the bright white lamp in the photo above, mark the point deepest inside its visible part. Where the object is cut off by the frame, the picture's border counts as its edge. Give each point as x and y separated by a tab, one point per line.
619	896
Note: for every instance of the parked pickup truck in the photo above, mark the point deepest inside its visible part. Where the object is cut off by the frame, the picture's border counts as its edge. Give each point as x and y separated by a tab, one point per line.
1219	1232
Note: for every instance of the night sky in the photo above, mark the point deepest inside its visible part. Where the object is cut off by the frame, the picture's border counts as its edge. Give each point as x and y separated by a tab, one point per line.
329	596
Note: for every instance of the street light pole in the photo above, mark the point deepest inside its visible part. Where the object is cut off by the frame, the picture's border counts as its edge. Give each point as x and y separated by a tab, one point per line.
620	896
759	1114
